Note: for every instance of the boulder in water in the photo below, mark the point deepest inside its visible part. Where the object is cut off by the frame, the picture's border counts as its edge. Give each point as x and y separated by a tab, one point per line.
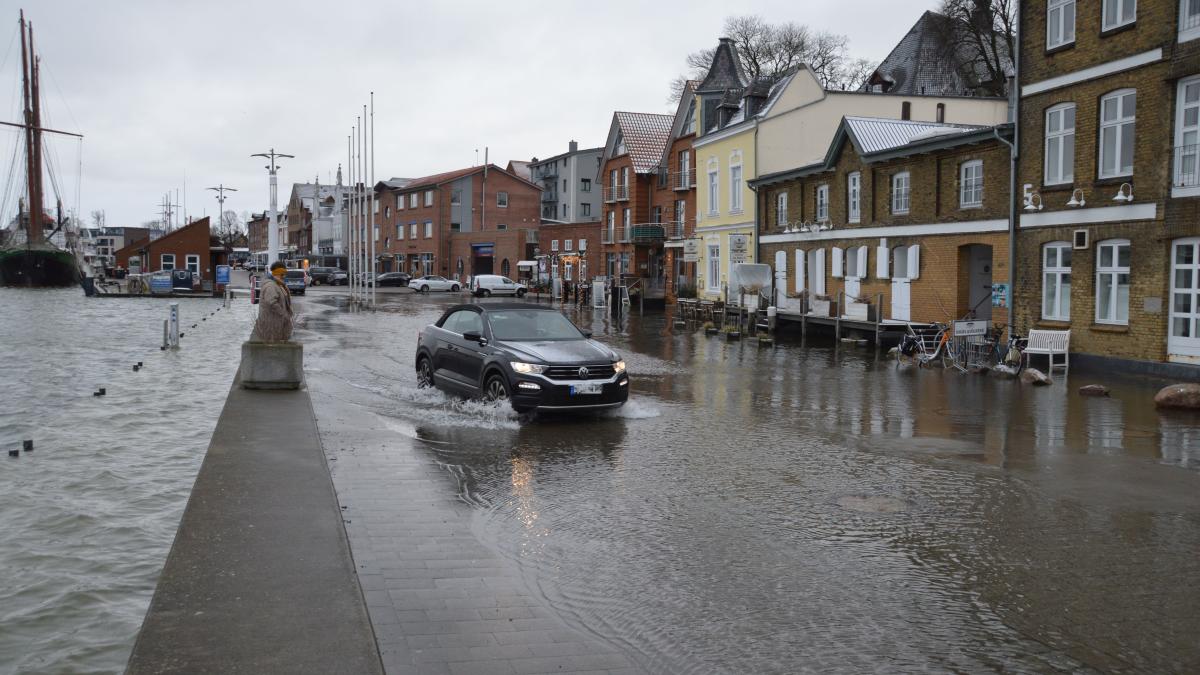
1093	390
1035	377
1180	396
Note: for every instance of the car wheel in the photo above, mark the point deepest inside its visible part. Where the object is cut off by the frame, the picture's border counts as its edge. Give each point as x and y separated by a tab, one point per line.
454	288
424	373
425	288
521	293
486	293
496	388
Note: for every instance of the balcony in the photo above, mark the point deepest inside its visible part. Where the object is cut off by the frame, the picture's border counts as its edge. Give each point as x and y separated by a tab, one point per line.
645	233
675	229
548	172
608	236
549	196
616	193
684	180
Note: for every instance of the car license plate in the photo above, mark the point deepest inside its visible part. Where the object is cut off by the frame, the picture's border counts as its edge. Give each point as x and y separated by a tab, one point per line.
587	388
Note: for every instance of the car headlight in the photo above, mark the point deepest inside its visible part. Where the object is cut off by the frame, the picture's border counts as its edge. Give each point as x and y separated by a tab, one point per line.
527	368
619	367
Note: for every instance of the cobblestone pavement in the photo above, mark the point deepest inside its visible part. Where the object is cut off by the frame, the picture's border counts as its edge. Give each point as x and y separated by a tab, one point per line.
440	601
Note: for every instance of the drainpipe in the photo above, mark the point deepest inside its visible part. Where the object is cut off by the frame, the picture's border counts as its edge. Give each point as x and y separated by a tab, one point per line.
1014	154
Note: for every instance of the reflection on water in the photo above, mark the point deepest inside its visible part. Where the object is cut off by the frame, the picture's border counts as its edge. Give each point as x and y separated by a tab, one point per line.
814	508
88	516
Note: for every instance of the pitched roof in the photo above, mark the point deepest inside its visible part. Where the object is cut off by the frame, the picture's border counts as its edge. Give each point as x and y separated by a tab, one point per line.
874	134
520	168
726	70
445	177
923	63
646	135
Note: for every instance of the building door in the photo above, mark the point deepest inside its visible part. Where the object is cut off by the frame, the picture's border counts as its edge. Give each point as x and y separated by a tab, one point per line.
979	276
781	272
901	291
1183	341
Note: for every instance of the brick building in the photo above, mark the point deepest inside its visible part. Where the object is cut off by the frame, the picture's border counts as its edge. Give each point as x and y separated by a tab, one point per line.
673	200
256	232
192	247
572	250
1110	127
910	218
631	242
478	220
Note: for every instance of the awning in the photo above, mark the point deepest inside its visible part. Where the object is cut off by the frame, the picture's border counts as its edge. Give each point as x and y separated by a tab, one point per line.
526	263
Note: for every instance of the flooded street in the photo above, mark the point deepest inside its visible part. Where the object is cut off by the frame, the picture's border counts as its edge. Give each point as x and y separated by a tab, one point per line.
89	515
799	507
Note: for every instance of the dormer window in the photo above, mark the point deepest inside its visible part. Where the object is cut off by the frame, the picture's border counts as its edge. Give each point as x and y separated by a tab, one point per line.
1118	13
620	144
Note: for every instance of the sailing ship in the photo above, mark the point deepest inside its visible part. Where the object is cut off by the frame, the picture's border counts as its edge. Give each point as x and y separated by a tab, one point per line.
27	255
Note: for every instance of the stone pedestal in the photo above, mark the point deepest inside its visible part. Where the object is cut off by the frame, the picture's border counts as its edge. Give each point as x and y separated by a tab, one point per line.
272	365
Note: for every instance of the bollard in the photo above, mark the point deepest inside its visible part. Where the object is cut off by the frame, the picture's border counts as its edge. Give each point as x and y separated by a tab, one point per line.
166	341
139	364
99	392
174	321
14	452
136	367
28	444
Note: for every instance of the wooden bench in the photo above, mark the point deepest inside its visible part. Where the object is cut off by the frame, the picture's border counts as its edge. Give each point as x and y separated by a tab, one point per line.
1050	343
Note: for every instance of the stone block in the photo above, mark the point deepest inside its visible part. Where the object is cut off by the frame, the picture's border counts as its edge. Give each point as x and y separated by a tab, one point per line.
272	365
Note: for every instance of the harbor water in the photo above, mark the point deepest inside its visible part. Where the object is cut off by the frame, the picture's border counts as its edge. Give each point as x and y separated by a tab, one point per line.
87	518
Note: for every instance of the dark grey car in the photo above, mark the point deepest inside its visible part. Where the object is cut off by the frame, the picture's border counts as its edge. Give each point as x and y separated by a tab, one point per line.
530	355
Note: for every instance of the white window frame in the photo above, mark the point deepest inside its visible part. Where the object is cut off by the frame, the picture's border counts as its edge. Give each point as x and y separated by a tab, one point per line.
429	198
1122	18
554	245
970	184
1120	126
1059	30
854	196
1056	143
1186	171
502	200
1189	24
399	202
399	231
714	187
412	200
735	187
428	229
412	230
713	282
162	261
1053	271
781	208
569	245
1114	270
191	260
901	193
823	203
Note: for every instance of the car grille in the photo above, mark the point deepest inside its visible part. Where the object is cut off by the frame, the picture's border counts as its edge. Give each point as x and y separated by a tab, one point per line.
595	371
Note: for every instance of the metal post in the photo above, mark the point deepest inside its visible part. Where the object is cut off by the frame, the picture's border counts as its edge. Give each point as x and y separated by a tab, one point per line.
373	205
166	333
273	225
837	321
352	286
174	324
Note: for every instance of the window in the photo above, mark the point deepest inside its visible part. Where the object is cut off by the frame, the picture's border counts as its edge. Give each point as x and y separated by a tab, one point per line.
412	230
941	113
626	221
1187	132
193	263
502	227
1060	144
167	261
582	245
1189	20
970	184
714	268
823	203
900	193
624	183
1117	117
781	213
1112	281
504	267
680	214
456	227
854	196
735	188
502	200
567	269
428	229
387	212
1060	23
656	215
399	202
612	182
1056	281
585	185
456	196
906	110
412	200
612	225
400	230
568	245
429	198
564	185
585	209
713	187
1118	13
553	244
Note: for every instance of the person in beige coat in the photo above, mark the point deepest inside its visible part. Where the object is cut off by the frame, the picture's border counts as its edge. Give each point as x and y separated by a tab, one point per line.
274	308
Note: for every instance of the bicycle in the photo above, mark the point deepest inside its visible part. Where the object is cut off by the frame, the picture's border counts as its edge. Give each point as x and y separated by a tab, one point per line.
924	345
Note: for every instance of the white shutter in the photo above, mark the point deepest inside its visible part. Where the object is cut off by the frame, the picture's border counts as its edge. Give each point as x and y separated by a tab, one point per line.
914	261
863	270
819	286
881	262
837	262
800	260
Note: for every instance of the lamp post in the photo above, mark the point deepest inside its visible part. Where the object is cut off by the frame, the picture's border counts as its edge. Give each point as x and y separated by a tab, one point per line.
221	190
272	224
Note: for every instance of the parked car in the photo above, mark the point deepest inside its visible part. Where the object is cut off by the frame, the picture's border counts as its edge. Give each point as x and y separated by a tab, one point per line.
432	282
392	279
529	355
296	281
493	284
327	275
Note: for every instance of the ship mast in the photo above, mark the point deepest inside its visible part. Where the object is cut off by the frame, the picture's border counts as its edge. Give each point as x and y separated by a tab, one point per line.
33	134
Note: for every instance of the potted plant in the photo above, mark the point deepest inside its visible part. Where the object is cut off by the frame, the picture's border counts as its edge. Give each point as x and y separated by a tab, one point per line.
709	328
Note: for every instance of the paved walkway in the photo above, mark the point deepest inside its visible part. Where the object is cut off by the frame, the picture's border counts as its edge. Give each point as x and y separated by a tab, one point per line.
440	601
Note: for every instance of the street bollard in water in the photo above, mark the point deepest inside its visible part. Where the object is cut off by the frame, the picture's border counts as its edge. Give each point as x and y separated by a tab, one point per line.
28	445
166	341
174	324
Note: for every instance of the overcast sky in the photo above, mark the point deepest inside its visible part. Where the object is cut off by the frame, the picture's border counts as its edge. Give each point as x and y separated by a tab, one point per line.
168	92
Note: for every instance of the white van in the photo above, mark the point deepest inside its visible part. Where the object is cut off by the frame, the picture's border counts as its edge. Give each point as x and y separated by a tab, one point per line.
494	284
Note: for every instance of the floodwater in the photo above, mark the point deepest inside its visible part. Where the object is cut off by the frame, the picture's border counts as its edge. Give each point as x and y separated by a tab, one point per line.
87	518
815	508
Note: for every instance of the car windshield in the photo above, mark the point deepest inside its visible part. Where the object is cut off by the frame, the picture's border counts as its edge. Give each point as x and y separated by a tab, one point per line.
531	325
295	274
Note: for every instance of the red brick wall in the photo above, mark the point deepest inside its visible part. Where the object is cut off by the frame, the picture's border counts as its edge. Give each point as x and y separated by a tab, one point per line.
192	239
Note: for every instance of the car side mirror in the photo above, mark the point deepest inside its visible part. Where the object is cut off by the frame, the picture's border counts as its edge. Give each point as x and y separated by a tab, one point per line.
473	336
587	334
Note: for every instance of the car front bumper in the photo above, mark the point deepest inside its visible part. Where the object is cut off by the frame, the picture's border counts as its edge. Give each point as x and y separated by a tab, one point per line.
556	394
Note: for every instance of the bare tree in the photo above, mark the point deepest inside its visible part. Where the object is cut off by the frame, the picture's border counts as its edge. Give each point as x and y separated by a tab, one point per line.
772	50
981	35
230	230
852	75
98	218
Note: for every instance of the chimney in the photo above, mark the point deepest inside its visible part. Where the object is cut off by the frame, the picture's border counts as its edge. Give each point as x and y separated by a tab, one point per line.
574	146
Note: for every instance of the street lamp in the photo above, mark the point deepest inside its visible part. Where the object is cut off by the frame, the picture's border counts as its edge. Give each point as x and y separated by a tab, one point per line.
221	190
273	226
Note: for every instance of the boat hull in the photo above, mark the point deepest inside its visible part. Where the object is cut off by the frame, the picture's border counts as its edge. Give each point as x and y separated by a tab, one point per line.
37	268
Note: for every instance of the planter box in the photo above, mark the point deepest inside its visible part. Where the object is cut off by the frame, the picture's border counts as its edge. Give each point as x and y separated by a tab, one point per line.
272	365
857	311
823	307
